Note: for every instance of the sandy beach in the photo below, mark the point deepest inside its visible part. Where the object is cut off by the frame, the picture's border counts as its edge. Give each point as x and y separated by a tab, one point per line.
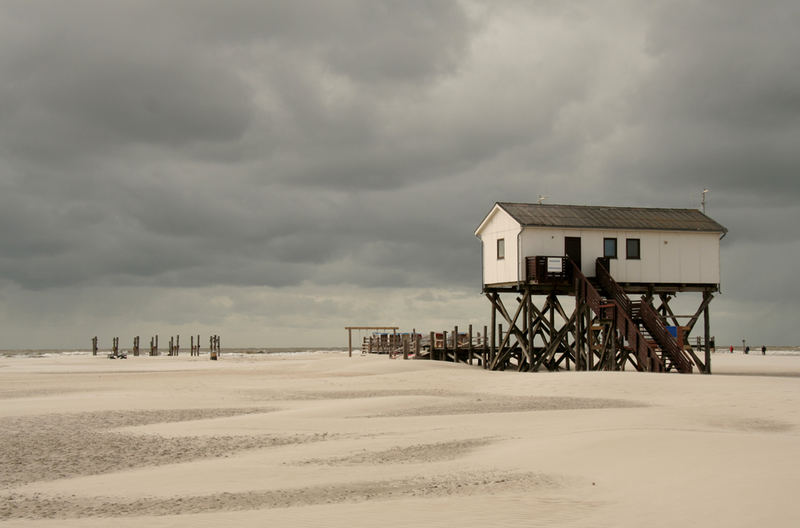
321	439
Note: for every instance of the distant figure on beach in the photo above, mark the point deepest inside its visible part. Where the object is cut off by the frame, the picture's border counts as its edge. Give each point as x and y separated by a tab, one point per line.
763	350
731	349
747	349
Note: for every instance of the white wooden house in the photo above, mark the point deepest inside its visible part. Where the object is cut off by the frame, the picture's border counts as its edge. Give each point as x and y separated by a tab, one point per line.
646	247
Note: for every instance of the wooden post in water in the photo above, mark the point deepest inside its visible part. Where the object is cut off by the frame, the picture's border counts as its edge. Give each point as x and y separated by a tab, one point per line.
94	346
444	345
405	347
417	339
136	346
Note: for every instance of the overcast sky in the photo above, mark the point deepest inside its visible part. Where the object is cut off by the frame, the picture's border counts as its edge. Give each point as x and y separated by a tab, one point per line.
274	171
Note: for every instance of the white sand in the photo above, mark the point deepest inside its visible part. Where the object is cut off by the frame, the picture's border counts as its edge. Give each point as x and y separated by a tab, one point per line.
327	440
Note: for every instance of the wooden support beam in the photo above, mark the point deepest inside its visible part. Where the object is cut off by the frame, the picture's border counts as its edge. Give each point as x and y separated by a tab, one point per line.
470	350
493	350
485	349
512	321
706	329
455	344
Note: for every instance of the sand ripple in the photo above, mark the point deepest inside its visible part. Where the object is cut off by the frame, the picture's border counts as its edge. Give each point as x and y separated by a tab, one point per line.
56	446
420	453
480	404
37	506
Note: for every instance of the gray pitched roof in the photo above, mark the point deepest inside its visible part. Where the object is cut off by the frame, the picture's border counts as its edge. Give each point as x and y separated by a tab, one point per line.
590	216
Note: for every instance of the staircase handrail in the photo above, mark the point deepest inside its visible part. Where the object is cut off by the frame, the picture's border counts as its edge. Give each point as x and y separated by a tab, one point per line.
624	322
612	287
659	331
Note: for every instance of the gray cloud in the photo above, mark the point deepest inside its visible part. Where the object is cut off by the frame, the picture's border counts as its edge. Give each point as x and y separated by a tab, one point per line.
278	149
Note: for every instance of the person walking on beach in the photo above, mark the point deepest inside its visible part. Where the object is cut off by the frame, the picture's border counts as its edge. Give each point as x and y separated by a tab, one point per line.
731	349
763	350
747	349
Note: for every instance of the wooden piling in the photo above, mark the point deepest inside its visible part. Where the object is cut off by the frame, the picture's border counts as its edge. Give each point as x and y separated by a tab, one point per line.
455	344
707	331
492	349
469	339
501	341
485	349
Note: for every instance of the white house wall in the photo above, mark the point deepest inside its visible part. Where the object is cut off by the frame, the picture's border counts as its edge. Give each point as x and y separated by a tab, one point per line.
500	225
666	256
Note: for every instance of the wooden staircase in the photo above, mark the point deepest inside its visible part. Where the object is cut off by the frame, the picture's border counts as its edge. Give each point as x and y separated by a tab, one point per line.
650	326
640	351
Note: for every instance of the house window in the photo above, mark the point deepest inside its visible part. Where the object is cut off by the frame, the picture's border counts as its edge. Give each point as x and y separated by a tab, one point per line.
501	248
610	248
632	249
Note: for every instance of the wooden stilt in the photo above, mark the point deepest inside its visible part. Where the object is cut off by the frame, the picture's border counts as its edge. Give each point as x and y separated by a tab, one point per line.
706	330
455	344
470	349
493	349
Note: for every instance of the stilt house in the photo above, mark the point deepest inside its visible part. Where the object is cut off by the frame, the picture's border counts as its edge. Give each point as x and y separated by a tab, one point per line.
661	249
599	255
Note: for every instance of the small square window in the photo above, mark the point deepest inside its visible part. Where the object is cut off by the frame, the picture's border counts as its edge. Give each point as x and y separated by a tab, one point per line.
610	248
501	248
632	249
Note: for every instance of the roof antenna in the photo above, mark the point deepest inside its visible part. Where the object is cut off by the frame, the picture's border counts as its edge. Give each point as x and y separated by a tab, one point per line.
541	198
703	201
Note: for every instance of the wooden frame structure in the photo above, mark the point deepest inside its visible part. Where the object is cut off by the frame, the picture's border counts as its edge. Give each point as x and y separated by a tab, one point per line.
606	330
350	329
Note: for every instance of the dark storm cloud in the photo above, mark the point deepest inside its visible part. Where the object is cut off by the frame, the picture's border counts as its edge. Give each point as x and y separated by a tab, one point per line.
196	144
722	104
